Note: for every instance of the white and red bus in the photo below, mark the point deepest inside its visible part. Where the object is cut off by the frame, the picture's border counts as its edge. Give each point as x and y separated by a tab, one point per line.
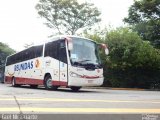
69	61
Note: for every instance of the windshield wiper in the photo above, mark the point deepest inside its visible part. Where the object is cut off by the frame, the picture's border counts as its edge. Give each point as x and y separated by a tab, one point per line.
83	61
80	63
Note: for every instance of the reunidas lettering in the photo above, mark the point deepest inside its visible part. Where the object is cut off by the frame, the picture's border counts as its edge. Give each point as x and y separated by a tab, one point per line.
23	66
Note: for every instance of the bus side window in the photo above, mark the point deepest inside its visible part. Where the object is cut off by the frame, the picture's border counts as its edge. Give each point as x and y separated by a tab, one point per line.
51	49
62	51
27	55
8	61
38	51
22	56
46	53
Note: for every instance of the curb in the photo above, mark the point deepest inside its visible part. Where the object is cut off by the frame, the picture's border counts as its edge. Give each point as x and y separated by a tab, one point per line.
134	89
109	88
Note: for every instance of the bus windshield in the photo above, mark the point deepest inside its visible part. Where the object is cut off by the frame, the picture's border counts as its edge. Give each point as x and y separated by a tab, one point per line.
84	53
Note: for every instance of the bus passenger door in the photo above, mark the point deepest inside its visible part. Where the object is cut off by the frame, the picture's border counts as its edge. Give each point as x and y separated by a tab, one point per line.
62	63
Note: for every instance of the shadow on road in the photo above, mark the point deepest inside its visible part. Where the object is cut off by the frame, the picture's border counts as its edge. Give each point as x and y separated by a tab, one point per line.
60	89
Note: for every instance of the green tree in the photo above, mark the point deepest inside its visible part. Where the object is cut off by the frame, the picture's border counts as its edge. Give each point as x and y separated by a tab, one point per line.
132	62
144	16
68	16
5	50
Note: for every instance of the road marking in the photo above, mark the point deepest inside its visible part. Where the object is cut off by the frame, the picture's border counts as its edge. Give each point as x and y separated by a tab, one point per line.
79	100
81	110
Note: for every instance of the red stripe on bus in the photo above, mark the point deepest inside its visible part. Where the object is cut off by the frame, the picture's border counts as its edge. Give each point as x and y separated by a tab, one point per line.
60	83
29	81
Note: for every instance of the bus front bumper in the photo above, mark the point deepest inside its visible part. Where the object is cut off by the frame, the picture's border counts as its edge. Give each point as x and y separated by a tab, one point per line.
85	81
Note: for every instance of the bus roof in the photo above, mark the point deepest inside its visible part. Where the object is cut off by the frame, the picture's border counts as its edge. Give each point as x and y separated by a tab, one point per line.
52	39
64	36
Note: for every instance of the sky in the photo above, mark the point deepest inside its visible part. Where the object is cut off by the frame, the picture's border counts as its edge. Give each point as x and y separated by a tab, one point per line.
20	23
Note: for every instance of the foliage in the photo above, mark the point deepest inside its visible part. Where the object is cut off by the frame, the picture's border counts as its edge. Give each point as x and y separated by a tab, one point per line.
68	16
5	50
144	16
131	62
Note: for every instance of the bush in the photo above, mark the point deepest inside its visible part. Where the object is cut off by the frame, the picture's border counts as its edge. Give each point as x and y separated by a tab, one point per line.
132	62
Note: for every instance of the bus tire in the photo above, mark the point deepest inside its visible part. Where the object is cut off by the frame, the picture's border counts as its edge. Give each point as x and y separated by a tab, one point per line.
14	82
75	88
48	83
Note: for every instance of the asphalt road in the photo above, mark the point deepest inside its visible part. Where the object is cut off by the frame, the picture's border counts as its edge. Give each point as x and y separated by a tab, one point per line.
88	101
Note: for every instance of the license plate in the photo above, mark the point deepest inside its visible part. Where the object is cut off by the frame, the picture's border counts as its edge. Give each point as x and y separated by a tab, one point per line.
90	81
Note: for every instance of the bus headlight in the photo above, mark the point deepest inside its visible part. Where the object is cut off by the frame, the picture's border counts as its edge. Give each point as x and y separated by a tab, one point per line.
72	74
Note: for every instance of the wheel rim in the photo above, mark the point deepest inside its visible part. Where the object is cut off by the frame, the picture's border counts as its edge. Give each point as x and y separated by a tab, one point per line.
49	83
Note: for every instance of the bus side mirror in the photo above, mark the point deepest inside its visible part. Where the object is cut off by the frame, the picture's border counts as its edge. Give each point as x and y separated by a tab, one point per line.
70	43
104	46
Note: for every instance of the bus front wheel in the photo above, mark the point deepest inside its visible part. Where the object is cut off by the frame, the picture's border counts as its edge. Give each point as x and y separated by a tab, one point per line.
75	89
48	83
